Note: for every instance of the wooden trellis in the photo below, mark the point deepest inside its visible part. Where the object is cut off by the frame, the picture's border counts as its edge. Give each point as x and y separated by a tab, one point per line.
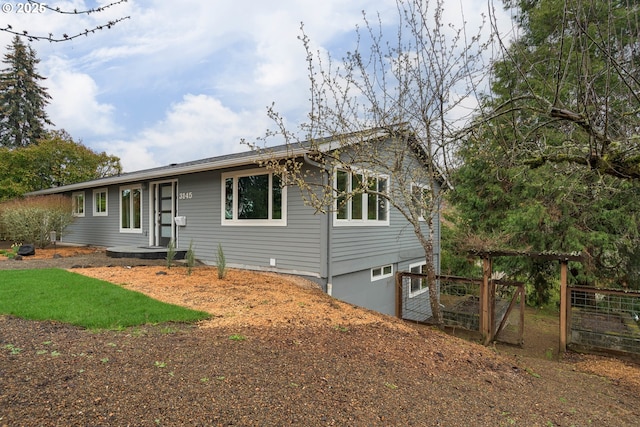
564	259
490	322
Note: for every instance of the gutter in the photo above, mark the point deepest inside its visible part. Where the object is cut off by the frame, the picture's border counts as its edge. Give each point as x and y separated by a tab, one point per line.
325	178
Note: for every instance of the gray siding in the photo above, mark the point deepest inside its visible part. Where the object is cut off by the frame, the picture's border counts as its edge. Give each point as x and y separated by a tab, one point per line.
357	288
295	247
356	249
359	247
105	230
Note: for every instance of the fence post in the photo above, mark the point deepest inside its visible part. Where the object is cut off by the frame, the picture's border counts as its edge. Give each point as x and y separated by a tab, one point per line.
564	306
399	295
485	301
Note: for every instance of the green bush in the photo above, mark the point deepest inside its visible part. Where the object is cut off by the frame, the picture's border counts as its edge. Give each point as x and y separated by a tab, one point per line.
30	220
221	263
191	258
171	253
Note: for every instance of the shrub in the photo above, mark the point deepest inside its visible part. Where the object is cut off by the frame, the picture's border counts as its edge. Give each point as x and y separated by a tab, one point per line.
191	258
171	253
221	263
30	220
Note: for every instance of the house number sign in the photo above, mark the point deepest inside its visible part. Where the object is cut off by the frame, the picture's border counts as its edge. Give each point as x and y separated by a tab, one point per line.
184	196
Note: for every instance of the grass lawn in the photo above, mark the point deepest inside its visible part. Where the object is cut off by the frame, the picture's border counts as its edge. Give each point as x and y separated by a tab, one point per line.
54	294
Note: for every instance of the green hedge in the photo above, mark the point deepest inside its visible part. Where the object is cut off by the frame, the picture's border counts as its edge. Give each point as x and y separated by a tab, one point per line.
31	219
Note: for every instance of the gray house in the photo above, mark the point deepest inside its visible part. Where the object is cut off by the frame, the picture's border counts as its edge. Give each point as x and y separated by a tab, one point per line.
352	252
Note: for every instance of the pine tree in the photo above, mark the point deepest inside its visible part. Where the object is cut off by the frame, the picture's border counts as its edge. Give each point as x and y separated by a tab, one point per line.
22	98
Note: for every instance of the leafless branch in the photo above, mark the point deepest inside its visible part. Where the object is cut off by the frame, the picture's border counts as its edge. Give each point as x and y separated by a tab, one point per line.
65	36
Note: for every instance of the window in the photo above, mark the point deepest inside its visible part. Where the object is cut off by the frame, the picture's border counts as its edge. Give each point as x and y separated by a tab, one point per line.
77	204
421	195
383	272
131	209
358	201
253	198
100	202
418	285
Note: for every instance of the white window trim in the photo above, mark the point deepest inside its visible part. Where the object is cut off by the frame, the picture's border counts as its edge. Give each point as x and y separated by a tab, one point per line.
359	222
383	275
250	222
106	205
421	217
74	197
423	290
131	230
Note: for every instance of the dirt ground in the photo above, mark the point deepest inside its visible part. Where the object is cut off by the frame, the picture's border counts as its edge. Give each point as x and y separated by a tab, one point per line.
277	351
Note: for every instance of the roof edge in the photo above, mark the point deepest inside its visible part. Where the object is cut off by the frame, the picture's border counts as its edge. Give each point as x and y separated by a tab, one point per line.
210	164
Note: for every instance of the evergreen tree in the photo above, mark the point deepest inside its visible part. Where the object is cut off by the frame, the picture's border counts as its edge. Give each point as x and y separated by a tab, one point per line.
22	98
566	90
554	162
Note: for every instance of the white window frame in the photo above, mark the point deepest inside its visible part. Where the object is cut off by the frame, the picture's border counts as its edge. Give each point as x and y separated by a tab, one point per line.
131	229
423	288
375	276
78	209
95	203
234	220
365	221
422	187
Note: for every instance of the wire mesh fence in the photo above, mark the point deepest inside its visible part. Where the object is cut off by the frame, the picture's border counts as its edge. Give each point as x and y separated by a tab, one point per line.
604	319
461	304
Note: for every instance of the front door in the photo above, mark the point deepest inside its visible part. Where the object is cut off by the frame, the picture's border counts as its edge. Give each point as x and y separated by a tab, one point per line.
165	207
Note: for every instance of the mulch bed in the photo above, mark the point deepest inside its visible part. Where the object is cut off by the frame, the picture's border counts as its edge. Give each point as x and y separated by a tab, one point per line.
307	362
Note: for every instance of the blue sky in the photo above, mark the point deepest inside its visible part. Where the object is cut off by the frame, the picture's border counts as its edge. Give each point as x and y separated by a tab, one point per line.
185	80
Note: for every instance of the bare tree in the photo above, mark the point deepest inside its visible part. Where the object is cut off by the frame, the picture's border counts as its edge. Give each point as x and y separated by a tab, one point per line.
390	106
32	6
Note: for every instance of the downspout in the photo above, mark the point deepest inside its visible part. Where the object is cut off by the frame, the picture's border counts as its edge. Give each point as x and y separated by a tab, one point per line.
326	176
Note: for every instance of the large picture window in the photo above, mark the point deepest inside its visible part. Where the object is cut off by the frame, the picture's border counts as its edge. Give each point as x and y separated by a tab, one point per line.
359	201
253	198
100	202
131	209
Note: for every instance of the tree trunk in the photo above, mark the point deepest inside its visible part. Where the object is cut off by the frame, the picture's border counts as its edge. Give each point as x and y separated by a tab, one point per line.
434	294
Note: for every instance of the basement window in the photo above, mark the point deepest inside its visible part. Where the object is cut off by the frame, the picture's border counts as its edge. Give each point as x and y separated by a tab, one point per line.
379	273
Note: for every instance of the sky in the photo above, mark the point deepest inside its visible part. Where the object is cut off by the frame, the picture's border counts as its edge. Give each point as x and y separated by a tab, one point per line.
186	80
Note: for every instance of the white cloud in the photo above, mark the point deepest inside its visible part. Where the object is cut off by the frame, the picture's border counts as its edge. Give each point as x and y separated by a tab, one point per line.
185	80
74	104
197	127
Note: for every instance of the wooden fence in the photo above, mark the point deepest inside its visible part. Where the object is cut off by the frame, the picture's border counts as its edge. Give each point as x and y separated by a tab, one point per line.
495	308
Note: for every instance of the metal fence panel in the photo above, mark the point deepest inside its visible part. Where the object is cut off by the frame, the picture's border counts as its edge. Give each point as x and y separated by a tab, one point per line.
604	319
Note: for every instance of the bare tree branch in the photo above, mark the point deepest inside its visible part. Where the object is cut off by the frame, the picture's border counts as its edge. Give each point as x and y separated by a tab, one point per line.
66	37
